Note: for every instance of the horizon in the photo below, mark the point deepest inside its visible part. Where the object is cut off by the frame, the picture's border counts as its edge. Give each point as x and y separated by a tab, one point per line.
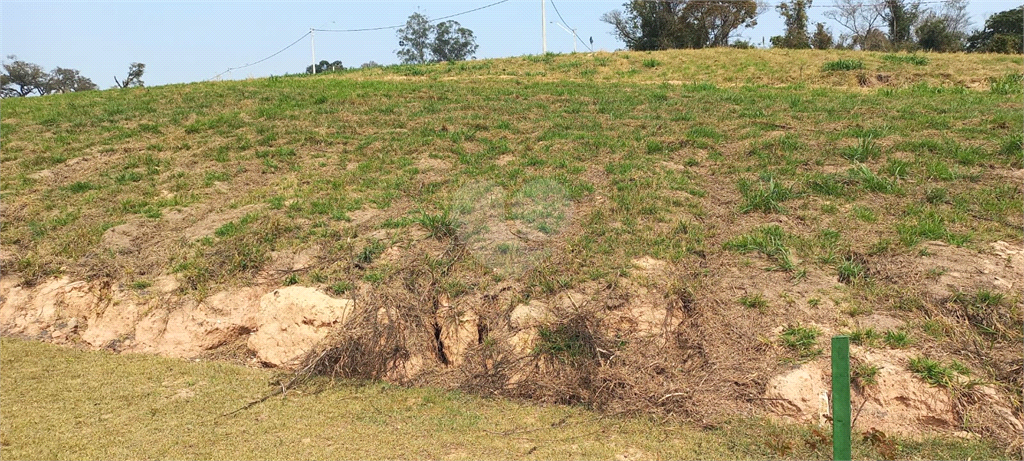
185	42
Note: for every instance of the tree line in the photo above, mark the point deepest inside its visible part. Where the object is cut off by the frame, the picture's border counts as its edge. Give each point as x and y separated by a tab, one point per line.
22	78
872	25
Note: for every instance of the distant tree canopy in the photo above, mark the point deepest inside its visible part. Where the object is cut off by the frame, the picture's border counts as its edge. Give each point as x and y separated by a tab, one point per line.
22	78
1002	33
900	17
325	66
944	30
795	14
421	42
822	38
666	24
134	78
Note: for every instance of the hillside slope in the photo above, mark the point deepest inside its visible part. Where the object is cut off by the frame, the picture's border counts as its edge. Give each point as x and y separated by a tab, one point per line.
676	232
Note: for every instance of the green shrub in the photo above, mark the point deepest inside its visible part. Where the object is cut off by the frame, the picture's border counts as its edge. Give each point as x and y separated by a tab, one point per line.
843	64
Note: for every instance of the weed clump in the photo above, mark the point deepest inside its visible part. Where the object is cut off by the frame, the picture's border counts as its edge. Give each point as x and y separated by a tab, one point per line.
768	240
765	195
802	340
842	65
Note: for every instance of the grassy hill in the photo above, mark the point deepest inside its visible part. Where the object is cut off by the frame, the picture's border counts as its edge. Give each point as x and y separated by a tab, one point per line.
756	200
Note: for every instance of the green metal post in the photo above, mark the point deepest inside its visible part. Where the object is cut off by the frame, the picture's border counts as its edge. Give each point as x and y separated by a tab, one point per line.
841	398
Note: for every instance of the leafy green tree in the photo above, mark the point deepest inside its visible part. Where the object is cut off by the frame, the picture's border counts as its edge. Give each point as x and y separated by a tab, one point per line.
900	16
665	24
934	34
421	42
795	14
414	40
452	42
22	78
63	80
134	78
944	30
1002	33
822	38
325	66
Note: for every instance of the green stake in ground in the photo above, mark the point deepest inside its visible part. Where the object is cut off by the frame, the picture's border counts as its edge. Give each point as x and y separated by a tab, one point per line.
840	398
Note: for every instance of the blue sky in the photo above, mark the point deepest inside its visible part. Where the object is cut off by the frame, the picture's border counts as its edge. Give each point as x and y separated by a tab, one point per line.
193	41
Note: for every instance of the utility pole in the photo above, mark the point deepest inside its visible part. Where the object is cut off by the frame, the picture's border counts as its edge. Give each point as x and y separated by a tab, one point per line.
312	47
543	27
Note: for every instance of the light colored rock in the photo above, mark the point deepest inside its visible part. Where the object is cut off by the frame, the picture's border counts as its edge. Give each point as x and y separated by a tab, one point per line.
797	394
192	329
458	333
116	321
292	320
529	315
899	402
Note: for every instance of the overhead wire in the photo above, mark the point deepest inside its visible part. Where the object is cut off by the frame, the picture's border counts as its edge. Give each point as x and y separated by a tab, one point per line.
402	25
567	25
349	30
264	59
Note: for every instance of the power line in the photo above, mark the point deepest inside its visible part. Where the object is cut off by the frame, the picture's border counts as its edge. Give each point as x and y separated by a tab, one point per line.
261	60
567	25
402	25
349	30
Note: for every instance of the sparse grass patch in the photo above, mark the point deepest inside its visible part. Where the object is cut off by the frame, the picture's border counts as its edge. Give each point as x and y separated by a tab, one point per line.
850	271
864	336
1007	84
865	149
843	65
754	301
897	339
768	240
765	195
950	375
801	340
914	59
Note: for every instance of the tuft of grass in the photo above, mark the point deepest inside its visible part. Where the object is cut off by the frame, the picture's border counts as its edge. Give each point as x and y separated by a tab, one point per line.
651	63
850	271
441	225
914	59
768	240
864	374
843	65
341	287
897	339
764	195
371	251
1007	84
864	336
865	149
754	301
140	284
949	375
802	340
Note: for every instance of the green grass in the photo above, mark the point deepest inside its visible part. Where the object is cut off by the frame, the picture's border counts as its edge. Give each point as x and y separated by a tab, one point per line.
768	240
139	406
842	65
914	59
952	375
801	340
754	301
